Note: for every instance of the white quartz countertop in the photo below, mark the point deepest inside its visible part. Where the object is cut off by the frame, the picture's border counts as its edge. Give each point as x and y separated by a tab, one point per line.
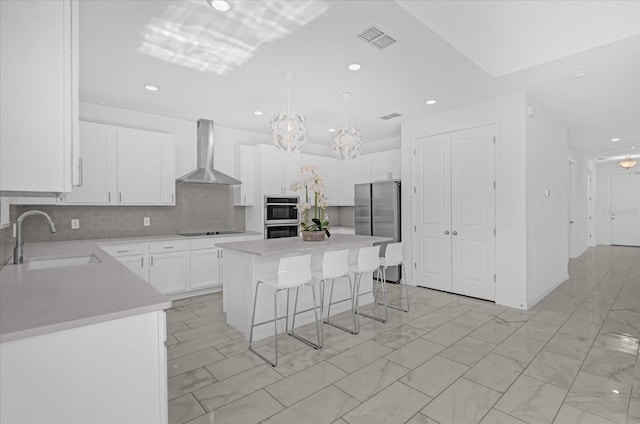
36	302
288	245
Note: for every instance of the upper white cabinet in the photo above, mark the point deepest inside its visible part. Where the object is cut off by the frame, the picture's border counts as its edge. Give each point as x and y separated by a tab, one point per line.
38	95
279	170
123	166
243	193
97	170
385	165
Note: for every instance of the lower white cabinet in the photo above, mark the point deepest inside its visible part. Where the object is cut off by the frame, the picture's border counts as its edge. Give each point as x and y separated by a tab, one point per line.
206	267
176	266
132	255
168	266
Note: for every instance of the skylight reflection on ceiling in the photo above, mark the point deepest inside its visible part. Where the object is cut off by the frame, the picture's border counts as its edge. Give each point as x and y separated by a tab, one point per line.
193	35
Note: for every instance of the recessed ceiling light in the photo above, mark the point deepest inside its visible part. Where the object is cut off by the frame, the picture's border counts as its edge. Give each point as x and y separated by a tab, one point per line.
258	112
332	129
151	87
579	74
615	391
615	139
431	102
219	5
354	67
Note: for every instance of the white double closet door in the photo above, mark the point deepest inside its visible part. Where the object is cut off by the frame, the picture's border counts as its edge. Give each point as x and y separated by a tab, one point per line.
454	212
625	209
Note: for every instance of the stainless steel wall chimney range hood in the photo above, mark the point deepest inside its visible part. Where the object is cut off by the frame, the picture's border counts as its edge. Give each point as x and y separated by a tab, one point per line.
205	174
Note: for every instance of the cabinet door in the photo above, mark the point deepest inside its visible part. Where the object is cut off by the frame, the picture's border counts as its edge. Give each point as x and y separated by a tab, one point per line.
290	166
38	95
271	159
243	193
385	165
98	166
135	263
329	171
138	167
347	178
361	167
168	271
167	170
205	268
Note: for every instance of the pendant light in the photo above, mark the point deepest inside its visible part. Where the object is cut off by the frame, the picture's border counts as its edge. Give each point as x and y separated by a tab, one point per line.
628	162
289	129
346	142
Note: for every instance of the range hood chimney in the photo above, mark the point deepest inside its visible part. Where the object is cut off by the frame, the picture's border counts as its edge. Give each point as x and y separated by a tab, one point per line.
205	174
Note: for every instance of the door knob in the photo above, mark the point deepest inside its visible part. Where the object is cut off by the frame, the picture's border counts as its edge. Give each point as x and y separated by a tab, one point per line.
455	233
446	232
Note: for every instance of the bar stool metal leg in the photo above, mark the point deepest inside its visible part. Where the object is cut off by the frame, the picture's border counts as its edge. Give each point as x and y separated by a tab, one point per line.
384	298
356	327
318	323
406	289
275	326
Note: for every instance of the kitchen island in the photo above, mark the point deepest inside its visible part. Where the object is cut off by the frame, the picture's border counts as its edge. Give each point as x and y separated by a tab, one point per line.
247	262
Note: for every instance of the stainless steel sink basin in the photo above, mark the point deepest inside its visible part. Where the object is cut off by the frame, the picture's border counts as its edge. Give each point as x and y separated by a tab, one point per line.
46	263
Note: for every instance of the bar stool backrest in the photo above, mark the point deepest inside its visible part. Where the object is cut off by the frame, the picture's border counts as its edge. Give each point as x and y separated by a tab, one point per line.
393	254
294	271
368	258
335	264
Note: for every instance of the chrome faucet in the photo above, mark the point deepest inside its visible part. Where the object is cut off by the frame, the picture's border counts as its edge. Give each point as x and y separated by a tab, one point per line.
18	254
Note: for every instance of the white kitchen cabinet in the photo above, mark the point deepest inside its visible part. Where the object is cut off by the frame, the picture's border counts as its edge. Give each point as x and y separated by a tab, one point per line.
243	193
98	166
133	255
123	166
67	376
206	264
279	170
38	96
168	266
385	165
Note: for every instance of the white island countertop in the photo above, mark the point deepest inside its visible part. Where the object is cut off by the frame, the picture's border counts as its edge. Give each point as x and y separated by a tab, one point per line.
41	301
288	245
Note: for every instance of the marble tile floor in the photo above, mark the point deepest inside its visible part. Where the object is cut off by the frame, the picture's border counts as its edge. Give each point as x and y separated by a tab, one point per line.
571	359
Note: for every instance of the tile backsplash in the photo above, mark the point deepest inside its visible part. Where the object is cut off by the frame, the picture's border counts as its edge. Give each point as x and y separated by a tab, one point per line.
199	207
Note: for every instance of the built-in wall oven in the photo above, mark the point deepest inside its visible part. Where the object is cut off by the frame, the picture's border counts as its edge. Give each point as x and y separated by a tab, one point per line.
281	217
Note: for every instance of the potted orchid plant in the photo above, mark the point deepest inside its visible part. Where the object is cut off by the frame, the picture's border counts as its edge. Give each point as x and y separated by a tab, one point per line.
313	221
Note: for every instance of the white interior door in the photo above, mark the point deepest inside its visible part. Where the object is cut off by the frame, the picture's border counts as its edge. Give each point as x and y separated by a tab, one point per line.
590	210
432	212
625	209
473	212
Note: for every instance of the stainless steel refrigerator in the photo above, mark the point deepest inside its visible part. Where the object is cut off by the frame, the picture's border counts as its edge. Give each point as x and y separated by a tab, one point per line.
377	213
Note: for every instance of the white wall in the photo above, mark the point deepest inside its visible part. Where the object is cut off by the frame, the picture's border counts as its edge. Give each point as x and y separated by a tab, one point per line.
547	192
508	114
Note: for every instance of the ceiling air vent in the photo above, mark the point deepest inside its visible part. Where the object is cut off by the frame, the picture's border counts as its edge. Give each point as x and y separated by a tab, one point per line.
376	37
390	116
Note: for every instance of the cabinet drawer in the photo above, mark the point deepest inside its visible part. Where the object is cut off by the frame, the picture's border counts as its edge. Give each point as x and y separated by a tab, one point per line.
167	246
116	250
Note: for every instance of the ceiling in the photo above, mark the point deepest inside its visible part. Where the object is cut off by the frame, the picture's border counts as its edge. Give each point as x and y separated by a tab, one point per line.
225	66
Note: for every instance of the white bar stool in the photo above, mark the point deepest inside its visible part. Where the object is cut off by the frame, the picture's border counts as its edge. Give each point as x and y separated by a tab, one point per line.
335	265
393	257
293	272
368	261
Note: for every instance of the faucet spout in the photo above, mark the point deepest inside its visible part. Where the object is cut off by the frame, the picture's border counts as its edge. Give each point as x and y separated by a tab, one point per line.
18	253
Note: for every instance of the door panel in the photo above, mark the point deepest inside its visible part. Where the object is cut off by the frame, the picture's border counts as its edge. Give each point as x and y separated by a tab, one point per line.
473	212
625	209
432	211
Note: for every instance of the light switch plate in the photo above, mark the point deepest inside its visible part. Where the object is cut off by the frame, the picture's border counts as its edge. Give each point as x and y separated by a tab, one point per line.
147	221
75	224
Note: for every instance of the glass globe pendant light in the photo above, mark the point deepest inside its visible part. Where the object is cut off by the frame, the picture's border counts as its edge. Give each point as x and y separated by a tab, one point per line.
289	129
346	142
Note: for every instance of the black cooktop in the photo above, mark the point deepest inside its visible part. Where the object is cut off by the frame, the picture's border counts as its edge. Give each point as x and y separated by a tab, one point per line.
210	233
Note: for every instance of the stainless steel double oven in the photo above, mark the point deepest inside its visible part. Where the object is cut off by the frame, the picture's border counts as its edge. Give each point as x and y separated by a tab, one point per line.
281	217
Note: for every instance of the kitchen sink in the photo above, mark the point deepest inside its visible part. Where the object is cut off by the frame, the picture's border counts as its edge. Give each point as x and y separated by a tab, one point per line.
210	233
46	263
